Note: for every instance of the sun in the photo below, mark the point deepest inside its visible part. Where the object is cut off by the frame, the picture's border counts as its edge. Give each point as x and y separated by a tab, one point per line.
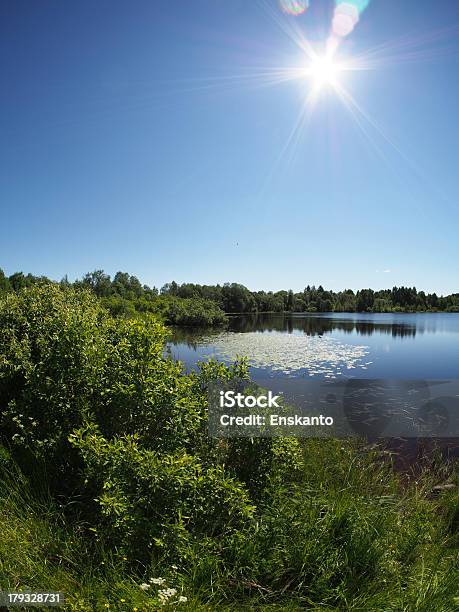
323	71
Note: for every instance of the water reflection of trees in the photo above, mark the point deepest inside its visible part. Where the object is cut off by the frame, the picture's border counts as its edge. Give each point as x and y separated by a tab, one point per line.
317	326
192	337
189	336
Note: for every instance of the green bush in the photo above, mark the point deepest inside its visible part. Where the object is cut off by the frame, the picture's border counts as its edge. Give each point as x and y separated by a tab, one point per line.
52	354
157	503
64	361
192	312
187	312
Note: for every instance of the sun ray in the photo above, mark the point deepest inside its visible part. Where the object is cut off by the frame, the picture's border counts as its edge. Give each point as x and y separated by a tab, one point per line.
292	31
407	50
293	137
364	119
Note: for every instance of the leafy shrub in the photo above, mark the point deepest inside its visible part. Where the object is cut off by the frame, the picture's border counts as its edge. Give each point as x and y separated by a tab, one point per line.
52	353
155	503
64	361
192	312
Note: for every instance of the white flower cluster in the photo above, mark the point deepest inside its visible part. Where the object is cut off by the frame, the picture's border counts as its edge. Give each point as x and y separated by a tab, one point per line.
166	594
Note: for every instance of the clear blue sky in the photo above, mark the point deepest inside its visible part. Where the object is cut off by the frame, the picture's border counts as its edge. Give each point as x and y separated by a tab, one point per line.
125	146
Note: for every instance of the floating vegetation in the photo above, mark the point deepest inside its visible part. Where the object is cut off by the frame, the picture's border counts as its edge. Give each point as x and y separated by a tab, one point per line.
290	354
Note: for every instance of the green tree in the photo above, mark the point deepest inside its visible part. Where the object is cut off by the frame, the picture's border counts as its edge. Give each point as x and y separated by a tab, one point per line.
365	300
98	282
5	284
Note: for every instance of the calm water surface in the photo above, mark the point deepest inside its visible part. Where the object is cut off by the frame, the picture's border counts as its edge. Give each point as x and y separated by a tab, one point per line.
368	370
330	345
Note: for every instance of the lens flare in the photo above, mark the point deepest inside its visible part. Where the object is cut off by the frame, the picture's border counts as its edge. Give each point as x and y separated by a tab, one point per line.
348	10
342	25
346	16
345	19
360	5
294	7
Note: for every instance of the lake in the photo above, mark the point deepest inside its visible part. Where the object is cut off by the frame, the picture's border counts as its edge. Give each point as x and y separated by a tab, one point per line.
398	369
330	345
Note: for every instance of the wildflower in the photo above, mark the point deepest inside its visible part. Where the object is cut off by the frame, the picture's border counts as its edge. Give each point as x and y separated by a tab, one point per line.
158	581
122	600
182	599
174	567
144	586
165	594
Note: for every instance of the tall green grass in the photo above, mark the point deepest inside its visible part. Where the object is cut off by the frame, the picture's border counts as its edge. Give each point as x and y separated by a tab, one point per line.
348	535
40	550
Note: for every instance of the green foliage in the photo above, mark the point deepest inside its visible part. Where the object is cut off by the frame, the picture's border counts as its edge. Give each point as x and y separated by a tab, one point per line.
187	312
236	298
365	300
192	304
41	550
126	297
52	352
342	538
5	284
129	486
64	362
157	503
191	311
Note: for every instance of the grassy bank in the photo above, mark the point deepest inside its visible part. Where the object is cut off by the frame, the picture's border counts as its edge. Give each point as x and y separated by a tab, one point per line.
346	536
112	491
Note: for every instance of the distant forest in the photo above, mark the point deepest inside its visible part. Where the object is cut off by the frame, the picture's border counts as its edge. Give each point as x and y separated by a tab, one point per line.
235	298
192	304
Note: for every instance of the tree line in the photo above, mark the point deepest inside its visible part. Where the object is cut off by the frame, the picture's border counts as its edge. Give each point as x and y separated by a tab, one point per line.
235	298
126	295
